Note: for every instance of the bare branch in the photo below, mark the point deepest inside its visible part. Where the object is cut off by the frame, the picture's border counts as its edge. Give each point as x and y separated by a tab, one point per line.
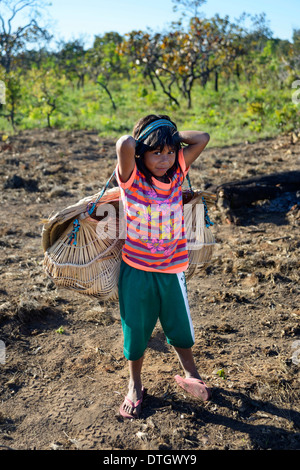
188	5
14	11
3	24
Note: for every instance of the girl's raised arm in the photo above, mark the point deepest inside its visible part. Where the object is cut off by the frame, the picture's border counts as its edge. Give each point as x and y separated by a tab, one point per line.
125	148
196	142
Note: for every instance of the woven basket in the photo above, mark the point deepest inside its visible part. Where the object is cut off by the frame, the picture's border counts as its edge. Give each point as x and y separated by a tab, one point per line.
91	266
200	239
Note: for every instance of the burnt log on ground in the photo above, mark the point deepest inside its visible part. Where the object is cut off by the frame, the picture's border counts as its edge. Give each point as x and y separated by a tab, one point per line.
236	194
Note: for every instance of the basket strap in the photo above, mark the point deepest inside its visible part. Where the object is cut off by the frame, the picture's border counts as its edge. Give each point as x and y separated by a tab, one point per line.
190	184
93	205
76	223
208	222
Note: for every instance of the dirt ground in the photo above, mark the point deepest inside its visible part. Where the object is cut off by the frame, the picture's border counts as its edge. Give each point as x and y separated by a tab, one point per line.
64	375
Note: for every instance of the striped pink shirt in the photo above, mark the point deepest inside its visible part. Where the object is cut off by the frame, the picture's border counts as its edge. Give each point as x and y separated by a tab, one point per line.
155	237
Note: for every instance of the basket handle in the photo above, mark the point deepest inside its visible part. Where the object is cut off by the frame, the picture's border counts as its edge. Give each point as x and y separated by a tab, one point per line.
190	184
93	205
76	223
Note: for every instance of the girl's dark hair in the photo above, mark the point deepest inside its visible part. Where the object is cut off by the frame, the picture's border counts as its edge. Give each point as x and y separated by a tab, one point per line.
157	140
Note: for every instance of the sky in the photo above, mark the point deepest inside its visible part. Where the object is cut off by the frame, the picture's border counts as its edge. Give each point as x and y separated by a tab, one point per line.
71	19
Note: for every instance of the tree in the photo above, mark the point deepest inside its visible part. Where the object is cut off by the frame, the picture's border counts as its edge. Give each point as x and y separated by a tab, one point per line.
185	54
72	60
145	53
105	62
14	40
104	53
227	55
27	58
290	57
296	50
207	46
188	6
141	53
49	89
296	40
253	40
13	95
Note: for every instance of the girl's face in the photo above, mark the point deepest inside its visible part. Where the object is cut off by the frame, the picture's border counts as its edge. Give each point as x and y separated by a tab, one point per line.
159	162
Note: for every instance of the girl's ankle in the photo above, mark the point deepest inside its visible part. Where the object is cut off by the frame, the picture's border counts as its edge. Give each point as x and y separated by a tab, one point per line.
135	385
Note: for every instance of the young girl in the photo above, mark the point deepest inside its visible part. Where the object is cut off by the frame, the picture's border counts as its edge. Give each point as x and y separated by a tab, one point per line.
150	171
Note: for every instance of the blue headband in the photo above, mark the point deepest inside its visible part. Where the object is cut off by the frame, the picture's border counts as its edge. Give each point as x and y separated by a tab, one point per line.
154	125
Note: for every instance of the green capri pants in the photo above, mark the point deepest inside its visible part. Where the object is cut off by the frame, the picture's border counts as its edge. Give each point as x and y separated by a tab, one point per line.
145	297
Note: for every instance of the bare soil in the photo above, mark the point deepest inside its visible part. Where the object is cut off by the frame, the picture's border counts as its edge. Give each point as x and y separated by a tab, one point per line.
65	376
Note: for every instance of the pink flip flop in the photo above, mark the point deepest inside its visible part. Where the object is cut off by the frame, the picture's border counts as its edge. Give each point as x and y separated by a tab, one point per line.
133	405
195	387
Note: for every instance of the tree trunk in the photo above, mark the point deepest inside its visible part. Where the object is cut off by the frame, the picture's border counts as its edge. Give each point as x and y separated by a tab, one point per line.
152	80
166	92
109	94
189	91
216	81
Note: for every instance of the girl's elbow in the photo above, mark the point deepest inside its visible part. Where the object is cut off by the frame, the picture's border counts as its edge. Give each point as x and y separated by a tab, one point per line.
125	142
206	137
122	139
